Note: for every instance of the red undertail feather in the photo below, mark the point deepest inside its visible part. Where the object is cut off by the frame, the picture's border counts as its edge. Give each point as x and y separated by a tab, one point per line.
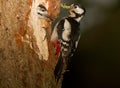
57	47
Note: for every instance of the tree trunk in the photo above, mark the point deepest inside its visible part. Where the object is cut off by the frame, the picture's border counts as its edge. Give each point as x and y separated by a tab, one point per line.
27	59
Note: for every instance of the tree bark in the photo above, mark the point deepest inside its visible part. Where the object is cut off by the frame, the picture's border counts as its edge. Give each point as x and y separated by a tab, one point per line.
27	58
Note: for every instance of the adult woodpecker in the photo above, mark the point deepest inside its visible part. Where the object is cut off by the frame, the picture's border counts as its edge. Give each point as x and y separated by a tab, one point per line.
65	37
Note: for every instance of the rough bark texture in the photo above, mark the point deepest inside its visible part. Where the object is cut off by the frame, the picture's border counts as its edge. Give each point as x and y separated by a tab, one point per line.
20	63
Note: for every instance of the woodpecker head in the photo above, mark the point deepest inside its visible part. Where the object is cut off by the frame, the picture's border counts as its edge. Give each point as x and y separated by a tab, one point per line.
77	11
42	12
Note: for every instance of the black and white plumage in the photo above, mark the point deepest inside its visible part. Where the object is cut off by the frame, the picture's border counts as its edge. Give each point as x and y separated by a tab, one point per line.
67	34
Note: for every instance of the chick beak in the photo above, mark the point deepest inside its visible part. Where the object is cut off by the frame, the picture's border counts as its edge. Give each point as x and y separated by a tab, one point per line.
50	18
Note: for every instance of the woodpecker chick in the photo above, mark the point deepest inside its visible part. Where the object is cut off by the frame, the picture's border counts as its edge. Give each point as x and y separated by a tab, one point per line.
43	12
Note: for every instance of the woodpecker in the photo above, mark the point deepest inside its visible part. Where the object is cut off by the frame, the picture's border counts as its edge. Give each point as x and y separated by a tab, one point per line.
43	12
65	37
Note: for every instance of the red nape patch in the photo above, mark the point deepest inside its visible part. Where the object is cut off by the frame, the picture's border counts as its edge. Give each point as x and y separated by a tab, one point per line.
57	47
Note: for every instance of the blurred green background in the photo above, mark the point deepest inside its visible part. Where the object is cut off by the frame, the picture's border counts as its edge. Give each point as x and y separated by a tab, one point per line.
96	63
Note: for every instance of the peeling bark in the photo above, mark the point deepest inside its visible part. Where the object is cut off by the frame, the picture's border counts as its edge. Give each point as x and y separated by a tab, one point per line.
27	59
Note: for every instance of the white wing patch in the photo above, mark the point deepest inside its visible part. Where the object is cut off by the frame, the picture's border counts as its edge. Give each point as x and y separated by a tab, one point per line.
67	30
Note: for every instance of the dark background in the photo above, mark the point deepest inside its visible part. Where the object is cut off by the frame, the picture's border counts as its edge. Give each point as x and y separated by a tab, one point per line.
96	63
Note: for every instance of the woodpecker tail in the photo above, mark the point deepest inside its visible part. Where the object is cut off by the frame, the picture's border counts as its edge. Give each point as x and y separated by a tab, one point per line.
61	68
58	69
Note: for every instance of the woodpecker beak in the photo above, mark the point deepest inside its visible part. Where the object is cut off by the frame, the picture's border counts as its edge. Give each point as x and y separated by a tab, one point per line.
72	6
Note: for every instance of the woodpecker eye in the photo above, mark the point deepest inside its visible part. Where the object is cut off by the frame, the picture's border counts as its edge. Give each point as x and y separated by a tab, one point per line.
75	6
42	9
